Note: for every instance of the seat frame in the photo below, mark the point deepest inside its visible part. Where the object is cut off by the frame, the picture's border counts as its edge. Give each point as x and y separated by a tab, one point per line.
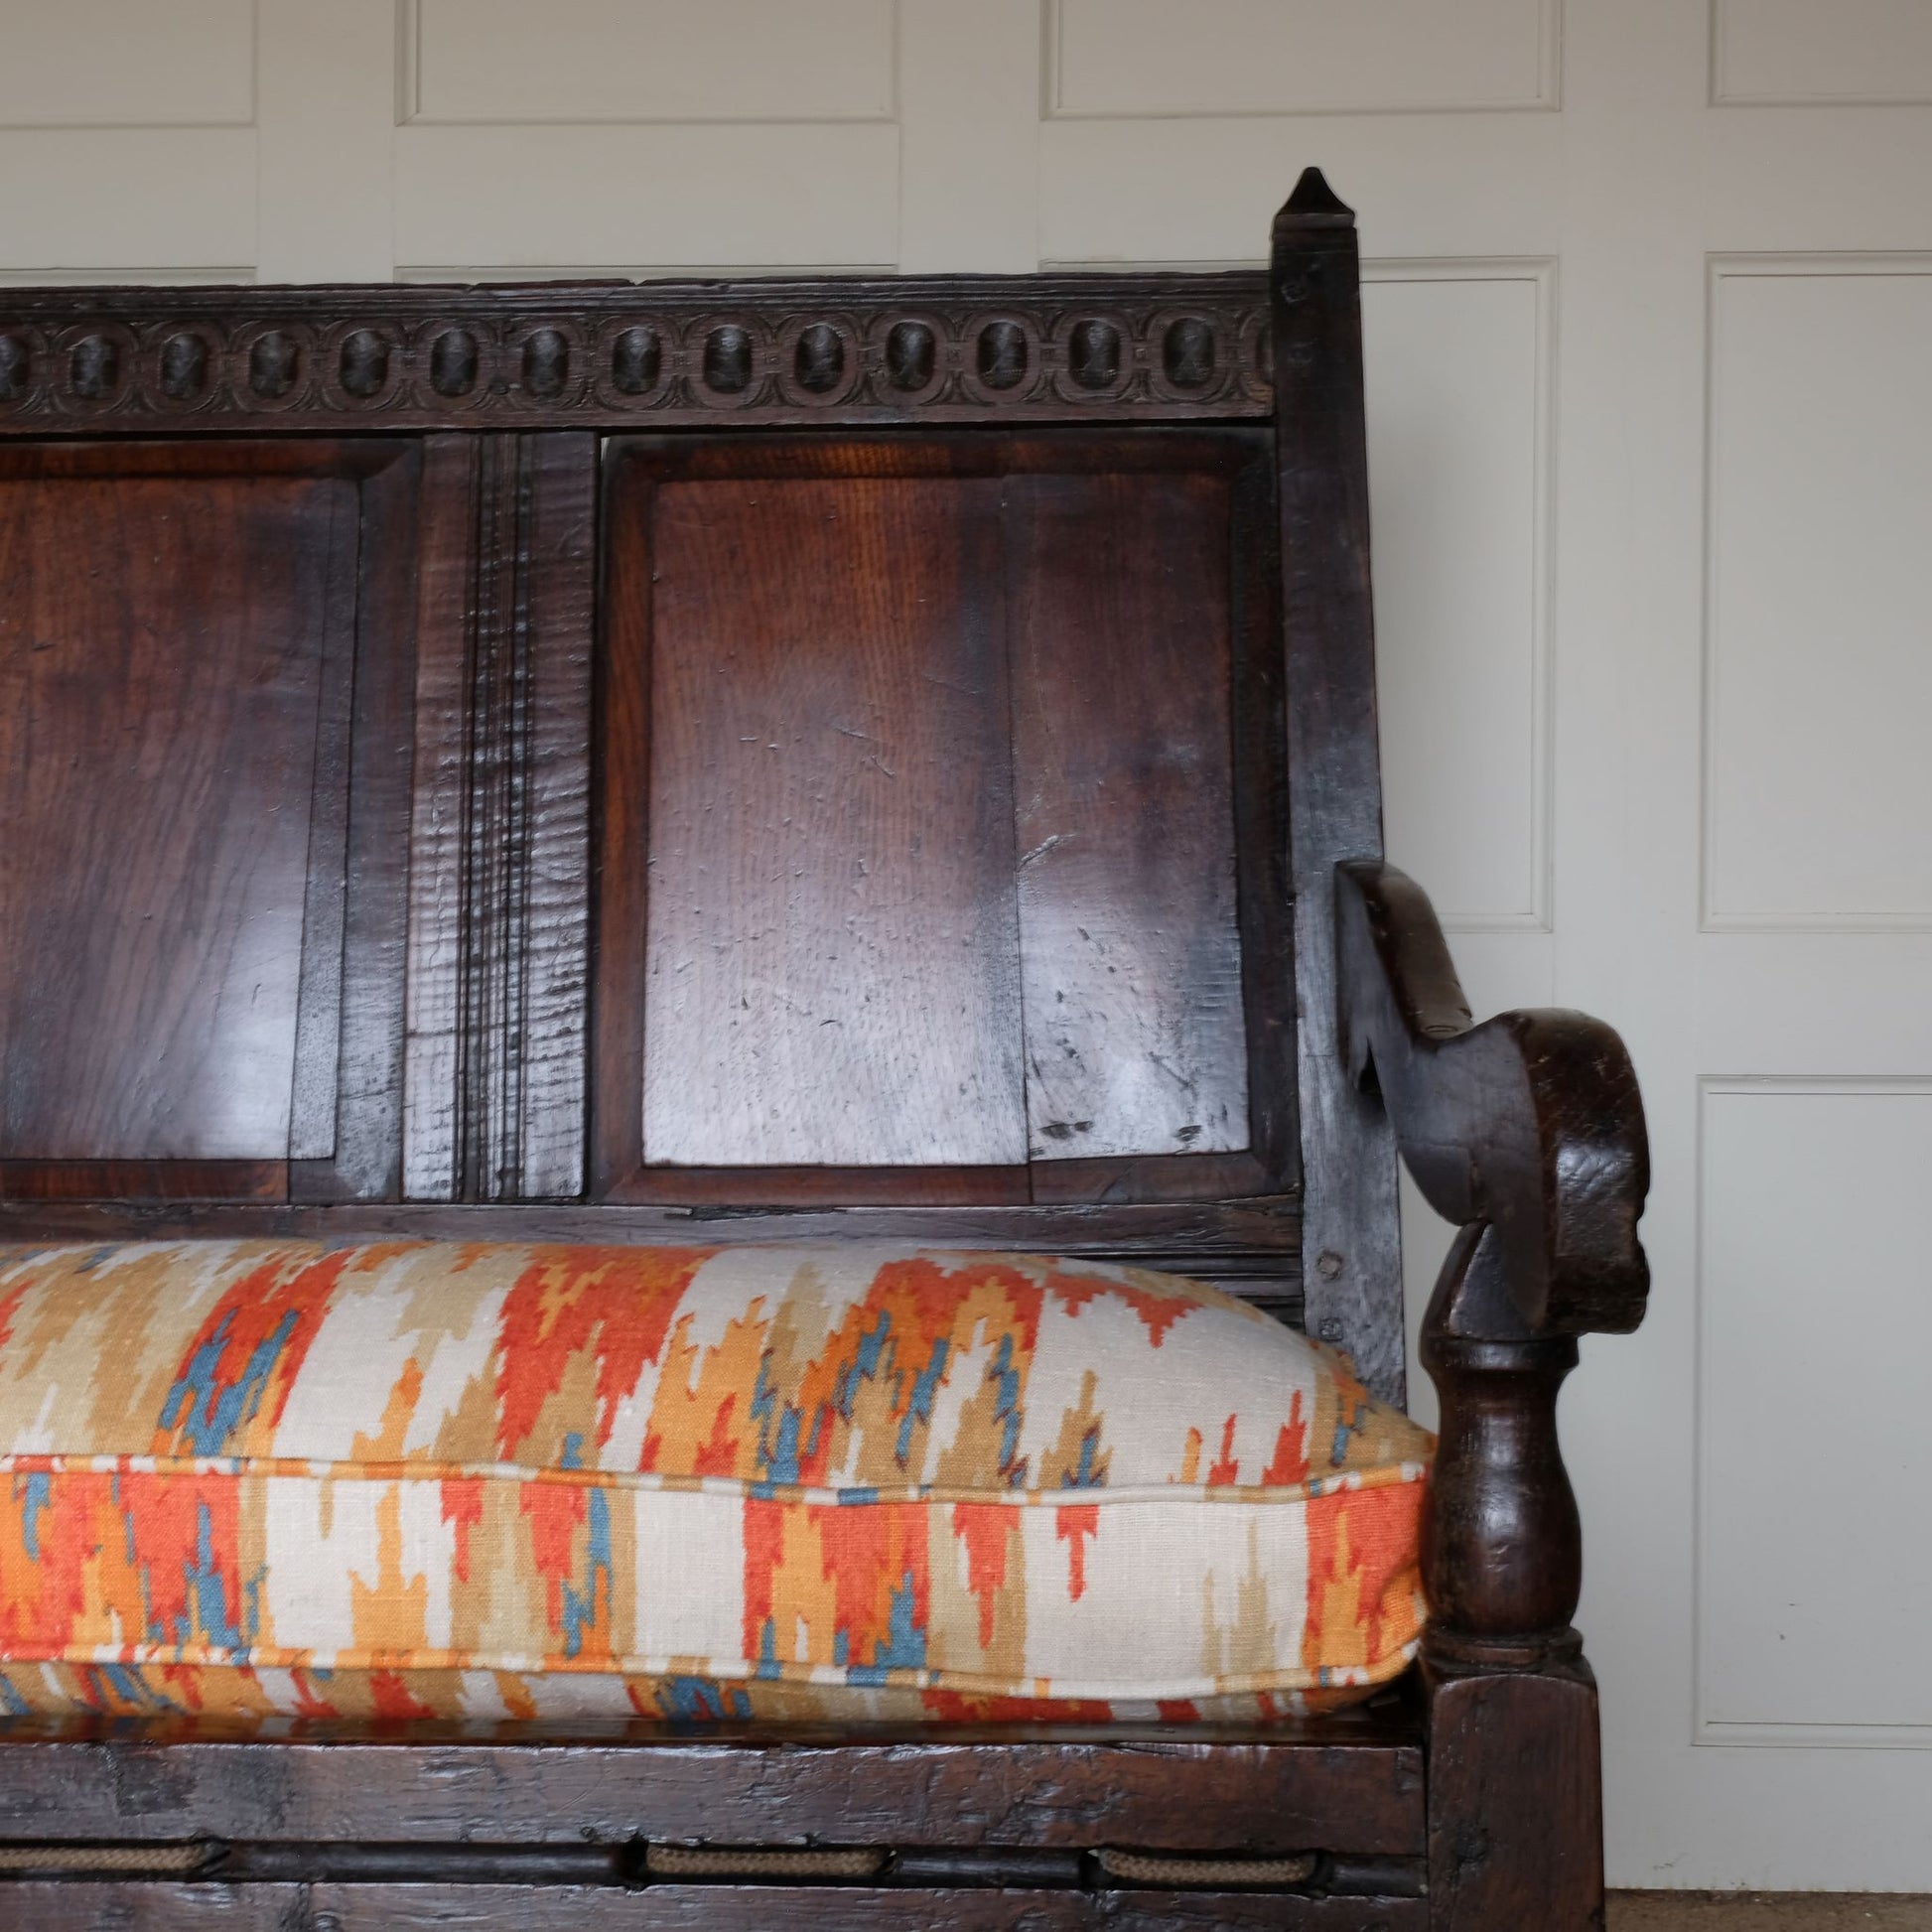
1467	1797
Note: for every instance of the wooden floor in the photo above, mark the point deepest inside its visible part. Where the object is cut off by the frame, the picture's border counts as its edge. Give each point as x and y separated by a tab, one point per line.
1677	1912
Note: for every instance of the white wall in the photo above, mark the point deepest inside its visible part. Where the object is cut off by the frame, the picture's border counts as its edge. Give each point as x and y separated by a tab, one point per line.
1650	340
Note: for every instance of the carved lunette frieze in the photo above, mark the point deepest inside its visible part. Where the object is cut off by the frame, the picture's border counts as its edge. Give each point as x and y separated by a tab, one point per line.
963	348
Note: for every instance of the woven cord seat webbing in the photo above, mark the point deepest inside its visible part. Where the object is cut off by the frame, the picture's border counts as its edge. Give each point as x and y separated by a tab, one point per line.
104	1858
1153	1869
739	1861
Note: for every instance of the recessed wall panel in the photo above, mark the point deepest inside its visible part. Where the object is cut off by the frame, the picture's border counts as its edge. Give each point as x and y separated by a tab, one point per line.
650	60
1454	371
1133	57
1815	1461
1818	790
110	63
1804	52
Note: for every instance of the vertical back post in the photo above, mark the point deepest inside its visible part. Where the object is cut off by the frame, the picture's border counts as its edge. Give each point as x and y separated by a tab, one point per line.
1351	1244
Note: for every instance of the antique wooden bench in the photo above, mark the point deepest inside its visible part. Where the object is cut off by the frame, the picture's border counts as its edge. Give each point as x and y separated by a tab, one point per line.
409	901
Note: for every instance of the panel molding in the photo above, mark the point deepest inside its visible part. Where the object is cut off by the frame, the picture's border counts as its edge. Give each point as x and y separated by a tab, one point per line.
1731	1733
1548	98
1722	267
1539	271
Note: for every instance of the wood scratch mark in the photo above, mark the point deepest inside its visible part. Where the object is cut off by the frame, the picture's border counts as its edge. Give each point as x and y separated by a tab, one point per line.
1046	846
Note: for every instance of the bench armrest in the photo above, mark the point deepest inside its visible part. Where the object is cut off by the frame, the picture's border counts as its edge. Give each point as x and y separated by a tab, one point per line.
1526	1130
1528	1124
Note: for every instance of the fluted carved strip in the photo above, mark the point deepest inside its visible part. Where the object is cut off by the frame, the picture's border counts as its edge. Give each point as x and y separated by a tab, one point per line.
1044	347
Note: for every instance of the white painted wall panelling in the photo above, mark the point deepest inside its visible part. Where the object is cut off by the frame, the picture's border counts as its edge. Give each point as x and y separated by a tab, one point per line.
1815	1457
1818	790
498	61
1458	366
106	63
1215	58
1820	53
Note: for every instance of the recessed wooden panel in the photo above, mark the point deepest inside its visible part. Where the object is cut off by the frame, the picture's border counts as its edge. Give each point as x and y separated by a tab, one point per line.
178	632
1122	755
152	1015
832	971
921	870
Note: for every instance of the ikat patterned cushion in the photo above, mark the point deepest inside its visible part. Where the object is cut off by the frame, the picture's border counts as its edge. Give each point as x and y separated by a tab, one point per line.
283	1489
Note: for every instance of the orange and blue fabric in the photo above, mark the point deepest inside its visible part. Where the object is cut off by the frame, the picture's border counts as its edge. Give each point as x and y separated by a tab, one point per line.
279	1489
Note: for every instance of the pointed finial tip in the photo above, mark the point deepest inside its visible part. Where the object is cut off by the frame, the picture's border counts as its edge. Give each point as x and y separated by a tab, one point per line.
1313	201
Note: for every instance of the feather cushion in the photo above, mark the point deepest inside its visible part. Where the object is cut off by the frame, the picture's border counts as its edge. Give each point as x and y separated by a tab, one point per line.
280	1487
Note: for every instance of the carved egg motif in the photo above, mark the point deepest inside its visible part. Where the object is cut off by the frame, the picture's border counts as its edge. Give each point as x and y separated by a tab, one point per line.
184	368
364	363
94	367
909	355
547	363
1188	353
636	358
273	363
727	359
452	359
819	359
1093	355
1002	354
15	362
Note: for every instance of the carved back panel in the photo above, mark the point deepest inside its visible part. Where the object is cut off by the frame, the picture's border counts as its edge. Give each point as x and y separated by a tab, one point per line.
942	846
605	758
196	646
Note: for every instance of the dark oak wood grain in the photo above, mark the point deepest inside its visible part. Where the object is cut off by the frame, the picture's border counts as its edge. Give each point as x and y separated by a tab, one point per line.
141	1182
1131	949
831	954
77	1906
177	654
1530	1123
905	891
368	1159
500	840
167	644
1515	1803
1351	1246
1354	1788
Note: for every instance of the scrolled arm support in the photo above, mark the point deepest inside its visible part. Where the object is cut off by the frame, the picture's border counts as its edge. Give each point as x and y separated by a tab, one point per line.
1527	1131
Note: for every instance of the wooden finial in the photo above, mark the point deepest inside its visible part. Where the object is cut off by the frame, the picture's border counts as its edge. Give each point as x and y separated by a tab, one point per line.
1316	204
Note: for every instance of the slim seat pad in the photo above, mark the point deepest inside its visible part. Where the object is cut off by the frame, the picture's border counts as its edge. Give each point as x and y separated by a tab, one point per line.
266	1487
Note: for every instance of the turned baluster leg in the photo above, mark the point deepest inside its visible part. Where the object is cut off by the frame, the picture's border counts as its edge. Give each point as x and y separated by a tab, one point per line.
1515	1805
